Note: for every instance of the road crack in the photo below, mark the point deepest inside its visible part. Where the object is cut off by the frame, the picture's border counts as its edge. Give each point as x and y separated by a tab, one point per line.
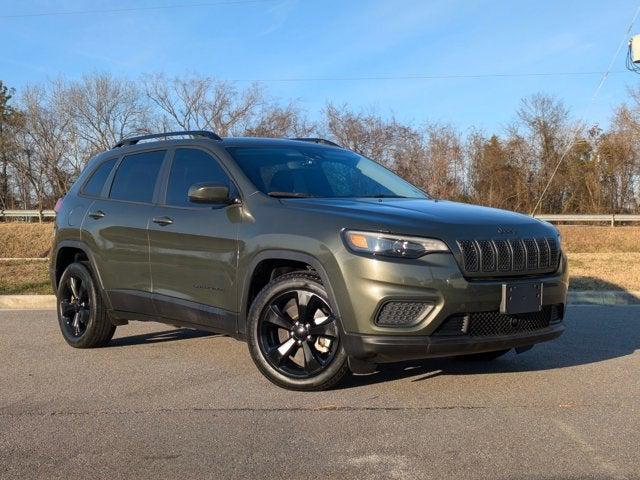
322	408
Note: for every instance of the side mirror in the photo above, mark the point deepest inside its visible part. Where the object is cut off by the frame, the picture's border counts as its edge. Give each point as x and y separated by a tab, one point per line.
209	193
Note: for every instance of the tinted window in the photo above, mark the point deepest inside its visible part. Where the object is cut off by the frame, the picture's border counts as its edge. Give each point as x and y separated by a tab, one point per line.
319	172
136	176
98	177
193	166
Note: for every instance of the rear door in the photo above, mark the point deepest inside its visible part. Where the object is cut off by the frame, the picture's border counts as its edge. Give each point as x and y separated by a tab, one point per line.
194	247
115	227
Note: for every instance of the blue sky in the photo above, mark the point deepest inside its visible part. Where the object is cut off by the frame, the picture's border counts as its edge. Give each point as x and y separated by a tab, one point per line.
313	39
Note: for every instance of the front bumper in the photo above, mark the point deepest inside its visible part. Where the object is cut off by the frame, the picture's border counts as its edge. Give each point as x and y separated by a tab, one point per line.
387	348
369	283
435	279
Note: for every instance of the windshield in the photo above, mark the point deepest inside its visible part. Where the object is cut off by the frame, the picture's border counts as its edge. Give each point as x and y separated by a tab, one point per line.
319	172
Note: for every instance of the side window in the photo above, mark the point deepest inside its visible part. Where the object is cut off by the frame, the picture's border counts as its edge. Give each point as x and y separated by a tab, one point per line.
191	166
136	176
94	185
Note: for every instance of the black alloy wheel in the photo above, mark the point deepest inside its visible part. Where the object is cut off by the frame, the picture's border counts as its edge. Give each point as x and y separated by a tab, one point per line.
82	315
298	333
75	306
294	334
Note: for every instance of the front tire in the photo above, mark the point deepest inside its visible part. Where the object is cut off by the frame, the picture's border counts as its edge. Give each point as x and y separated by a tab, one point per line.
294	336
82	315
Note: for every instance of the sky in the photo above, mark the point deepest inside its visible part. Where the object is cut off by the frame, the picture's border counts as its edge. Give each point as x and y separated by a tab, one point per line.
336	51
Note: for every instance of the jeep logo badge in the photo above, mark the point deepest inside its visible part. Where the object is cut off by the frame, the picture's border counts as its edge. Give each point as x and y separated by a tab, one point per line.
506	231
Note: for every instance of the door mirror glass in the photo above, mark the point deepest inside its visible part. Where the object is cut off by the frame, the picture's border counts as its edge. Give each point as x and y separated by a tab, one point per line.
209	192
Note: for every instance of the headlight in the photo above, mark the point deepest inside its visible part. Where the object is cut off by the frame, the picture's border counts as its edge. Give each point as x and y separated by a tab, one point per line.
392	245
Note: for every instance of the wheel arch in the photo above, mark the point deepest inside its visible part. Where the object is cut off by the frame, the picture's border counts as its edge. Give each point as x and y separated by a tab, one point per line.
284	256
66	253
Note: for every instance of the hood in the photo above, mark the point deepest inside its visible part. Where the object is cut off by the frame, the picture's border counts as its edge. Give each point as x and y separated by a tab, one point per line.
438	218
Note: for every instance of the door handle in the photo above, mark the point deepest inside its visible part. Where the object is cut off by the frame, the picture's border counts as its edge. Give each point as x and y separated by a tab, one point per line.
163	221
97	215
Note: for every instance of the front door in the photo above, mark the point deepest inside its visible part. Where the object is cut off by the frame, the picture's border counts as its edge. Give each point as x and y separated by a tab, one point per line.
194	247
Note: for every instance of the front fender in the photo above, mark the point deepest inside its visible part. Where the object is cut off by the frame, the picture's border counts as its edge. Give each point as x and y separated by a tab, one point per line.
326	270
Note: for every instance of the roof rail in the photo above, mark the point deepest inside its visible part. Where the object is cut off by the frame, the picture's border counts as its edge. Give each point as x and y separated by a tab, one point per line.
318	140
193	133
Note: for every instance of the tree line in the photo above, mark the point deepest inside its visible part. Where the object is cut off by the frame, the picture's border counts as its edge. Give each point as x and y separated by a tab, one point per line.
49	130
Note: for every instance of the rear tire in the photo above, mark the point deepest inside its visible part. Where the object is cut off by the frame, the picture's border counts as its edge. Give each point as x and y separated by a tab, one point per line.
293	335
82	315
484	356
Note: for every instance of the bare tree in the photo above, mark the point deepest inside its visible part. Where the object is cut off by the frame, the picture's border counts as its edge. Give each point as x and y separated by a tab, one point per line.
203	103
104	109
276	121
44	142
48	135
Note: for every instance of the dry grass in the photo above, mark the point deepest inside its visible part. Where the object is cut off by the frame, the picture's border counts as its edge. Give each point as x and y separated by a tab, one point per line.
585	239
605	271
600	258
20	277
21	239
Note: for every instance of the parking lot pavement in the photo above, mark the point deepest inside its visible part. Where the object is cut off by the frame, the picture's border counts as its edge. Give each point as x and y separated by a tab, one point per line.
164	403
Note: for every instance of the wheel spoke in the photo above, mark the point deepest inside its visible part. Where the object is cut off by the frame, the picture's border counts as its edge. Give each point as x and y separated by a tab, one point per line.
325	327
84	316
303	299
66	309
277	317
310	361
279	354
73	284
84	294
76	324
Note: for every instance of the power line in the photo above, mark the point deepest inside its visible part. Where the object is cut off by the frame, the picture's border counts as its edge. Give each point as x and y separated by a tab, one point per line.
603	79
444	76
135	9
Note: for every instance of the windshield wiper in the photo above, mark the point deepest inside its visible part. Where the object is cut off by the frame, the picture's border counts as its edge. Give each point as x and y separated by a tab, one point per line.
288	195
382	195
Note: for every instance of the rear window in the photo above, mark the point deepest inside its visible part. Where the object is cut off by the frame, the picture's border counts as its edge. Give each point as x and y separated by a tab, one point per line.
94	185
135	179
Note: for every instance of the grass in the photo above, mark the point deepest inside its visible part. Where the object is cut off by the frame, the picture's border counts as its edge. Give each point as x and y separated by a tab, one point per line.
24	277
600	258
21	239
585	239
605	271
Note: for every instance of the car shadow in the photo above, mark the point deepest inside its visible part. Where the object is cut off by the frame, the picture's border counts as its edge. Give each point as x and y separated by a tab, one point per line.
159	337
594	333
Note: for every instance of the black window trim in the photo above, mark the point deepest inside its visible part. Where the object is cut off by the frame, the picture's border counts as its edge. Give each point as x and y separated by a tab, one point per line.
166	172
107	181
156	188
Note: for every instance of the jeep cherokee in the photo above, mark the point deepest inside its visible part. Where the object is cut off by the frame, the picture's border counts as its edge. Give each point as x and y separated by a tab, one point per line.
324	261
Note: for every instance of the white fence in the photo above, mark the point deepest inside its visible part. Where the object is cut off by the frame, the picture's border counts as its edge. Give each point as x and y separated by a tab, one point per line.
611	219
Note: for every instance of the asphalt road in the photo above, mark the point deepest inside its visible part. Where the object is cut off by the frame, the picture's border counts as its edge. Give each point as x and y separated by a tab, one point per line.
164	403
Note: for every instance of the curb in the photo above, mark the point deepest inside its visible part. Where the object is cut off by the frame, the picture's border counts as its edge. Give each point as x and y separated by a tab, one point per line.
27	302
587	297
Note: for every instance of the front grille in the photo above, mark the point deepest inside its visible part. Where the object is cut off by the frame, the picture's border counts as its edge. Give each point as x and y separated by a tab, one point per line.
488	324
402	314
509	257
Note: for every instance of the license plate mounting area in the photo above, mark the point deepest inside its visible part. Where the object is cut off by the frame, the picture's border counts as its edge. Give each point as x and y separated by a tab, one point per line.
521	298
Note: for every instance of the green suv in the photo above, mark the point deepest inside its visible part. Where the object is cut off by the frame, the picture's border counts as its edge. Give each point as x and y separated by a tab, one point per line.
322	260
